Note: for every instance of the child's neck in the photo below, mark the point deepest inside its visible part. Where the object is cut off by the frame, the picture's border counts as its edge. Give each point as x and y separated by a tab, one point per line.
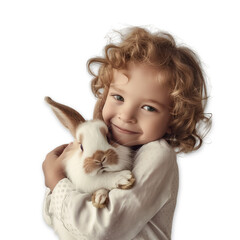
135	148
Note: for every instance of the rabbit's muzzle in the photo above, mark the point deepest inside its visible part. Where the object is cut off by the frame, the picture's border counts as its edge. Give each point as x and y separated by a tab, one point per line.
99	160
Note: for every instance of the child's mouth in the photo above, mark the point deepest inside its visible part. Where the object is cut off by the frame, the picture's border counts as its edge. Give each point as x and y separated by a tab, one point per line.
122	130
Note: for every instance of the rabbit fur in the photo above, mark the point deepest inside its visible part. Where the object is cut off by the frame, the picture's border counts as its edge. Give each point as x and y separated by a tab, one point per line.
94	164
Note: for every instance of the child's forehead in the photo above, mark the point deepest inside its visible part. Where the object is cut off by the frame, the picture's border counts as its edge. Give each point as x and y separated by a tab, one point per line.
120	76
139	71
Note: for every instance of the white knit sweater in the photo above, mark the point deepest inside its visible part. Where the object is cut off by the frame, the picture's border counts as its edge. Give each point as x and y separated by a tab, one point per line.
144	212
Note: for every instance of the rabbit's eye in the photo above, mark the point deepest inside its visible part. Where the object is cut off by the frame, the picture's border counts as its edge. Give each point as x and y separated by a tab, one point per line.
81	147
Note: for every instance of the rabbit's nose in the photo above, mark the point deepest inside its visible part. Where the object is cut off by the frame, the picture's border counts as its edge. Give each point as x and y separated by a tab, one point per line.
104	159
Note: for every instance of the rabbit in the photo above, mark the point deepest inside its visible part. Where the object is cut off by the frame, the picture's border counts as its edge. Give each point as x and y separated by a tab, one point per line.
95	164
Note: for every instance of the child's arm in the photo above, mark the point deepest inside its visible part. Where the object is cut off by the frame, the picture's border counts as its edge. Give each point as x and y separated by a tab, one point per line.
128	211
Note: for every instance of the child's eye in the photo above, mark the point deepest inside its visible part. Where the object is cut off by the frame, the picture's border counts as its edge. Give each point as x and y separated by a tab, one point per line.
118	97
149	108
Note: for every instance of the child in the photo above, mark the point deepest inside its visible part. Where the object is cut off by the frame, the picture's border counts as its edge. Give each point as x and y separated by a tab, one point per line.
151	94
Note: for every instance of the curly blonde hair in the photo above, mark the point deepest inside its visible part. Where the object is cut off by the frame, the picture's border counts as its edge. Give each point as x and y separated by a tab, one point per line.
183	74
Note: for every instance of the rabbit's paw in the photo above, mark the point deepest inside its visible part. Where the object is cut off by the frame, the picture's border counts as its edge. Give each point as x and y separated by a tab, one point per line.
100	198
125	180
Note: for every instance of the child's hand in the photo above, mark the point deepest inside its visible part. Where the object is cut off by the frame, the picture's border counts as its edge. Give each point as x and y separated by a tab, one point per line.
53	167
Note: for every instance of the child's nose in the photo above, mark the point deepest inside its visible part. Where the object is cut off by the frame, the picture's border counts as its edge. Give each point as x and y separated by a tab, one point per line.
127	115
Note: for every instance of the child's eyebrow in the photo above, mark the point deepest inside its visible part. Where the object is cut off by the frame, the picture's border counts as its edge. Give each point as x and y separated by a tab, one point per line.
162	105
116	88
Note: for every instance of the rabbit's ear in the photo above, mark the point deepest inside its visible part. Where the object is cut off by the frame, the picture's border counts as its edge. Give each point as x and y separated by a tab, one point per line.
69	117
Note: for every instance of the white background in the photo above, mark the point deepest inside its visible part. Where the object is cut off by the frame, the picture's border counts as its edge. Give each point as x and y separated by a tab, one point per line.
44	46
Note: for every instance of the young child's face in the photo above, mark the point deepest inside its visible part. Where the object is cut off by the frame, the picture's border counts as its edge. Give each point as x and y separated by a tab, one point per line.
137	105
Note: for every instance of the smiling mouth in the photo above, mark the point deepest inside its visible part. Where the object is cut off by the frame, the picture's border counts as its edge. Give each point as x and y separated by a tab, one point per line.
122	130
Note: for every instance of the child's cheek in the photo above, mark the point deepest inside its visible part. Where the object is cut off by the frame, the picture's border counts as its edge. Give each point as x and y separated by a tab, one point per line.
106	113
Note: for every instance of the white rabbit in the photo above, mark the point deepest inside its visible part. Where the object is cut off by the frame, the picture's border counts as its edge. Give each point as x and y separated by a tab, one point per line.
94	164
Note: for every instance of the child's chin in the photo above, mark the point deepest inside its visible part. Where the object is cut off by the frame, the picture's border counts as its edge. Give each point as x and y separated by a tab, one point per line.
125	141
